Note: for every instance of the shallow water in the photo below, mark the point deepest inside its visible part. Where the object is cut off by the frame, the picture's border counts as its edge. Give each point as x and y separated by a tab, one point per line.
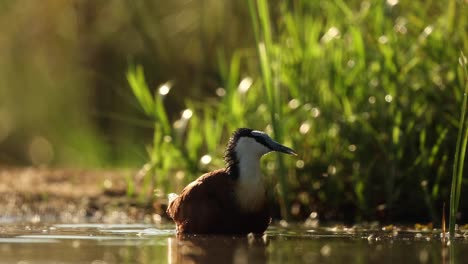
142	243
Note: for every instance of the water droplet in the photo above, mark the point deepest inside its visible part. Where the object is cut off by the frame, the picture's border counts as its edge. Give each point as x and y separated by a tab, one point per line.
206	159
392	2
332	33
388	98
293	104
400	25
187	114
283	223
300	164
428	30
424	183
352	147
245	84
462	60
371	99
383	39
315	112
304	128
220	92
165	88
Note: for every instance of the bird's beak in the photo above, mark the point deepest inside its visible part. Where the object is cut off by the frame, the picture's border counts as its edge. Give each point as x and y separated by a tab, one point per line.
275	146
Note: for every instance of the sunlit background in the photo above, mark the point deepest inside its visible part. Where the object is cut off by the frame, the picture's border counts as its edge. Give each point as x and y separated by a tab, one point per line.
368	93
64	96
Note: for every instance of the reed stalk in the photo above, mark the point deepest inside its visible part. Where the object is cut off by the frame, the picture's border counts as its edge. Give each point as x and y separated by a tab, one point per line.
460	151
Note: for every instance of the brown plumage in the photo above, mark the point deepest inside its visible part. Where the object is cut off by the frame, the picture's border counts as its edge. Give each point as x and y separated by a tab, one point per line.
207	206
230	200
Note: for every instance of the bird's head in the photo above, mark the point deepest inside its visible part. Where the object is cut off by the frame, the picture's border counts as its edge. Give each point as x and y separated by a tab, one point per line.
252	143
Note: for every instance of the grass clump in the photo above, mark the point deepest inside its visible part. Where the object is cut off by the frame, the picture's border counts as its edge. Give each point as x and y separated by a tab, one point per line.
366	92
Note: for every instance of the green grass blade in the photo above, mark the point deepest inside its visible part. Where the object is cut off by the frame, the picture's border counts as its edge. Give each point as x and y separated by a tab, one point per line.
137	82
262	28
462	153
161	114
460	150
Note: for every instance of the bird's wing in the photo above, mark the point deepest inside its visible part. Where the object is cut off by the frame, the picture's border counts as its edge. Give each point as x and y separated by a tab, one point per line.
202	203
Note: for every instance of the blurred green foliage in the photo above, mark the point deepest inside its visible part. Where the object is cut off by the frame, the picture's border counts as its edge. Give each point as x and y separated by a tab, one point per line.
368	92
64	98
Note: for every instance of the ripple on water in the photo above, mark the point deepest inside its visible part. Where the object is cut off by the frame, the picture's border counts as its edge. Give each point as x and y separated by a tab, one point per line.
26	240
103	226
281	244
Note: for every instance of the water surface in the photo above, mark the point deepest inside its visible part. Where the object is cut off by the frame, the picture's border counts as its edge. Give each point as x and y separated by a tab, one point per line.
143	243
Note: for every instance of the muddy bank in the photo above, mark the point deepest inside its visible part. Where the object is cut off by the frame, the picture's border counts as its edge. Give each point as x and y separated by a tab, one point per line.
70	195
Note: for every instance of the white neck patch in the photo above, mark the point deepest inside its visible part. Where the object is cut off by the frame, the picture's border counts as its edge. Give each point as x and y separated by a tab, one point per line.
250	185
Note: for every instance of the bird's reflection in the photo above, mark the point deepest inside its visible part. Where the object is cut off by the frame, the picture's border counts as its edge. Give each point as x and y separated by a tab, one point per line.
217	249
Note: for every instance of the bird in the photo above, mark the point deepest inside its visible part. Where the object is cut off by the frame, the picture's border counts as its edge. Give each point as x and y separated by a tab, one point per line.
231	200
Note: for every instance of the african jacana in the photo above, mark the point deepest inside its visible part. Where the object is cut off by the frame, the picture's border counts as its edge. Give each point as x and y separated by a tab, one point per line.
230	200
